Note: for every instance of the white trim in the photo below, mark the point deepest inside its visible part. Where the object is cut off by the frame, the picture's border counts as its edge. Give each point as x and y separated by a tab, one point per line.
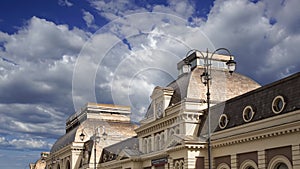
274	102
226	122
279	159
248	163
252	113
223	166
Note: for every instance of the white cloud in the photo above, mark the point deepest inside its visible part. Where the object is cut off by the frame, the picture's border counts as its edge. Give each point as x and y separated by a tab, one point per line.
21	143
42	40
89	19
123	61
38	86
65	3
114	9
30	144
183	9
257	35
133	51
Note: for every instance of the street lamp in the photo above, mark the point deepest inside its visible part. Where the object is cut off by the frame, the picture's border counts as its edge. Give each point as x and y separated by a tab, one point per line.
205	79
96	139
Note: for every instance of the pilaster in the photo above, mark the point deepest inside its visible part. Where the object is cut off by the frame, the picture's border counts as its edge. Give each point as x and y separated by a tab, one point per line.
233	163
296	156
170	161
206	163
261	159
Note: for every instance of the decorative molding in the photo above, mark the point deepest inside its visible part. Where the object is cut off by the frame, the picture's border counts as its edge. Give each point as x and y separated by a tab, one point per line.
248	163
168	121
257	137
259	129
279	159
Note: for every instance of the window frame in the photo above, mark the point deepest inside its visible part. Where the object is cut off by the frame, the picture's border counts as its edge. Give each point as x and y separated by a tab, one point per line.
275	104
246	111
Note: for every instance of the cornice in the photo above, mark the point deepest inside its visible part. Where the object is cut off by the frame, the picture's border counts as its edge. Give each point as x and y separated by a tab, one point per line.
258	125
157	125
178	115
152	155
258	135
74	146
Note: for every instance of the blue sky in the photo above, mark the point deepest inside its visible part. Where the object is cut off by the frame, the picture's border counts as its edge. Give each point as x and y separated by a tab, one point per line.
57	55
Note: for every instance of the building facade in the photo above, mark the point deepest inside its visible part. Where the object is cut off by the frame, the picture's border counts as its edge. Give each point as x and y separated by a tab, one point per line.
252	127
81	146
260	129
40	163
173	133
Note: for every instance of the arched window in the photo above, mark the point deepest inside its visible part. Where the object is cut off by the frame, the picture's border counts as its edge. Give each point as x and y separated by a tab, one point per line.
162	138
248	164
149	145
281	166
177	130
250	167
145	145
177	165
80	164
181	164
223	166
280	162
157	142
68	165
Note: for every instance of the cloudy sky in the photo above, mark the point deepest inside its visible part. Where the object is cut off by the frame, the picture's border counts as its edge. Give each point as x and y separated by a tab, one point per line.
55	56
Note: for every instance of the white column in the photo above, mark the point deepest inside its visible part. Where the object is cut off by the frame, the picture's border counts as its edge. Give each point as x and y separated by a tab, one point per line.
153	142
141	144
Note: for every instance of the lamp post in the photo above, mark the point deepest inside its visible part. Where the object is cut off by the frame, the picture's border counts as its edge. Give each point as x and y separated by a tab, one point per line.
205	79
96	139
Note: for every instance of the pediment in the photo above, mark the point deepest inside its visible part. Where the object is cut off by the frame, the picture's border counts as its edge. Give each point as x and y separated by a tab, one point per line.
127	153
174	141
122	155
157	92
161	91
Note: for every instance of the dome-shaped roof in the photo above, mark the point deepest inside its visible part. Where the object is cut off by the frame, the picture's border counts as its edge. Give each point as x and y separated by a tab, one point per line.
223	86
64	140
87	127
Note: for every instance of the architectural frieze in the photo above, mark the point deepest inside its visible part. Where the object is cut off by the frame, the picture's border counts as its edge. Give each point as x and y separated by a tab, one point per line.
253	137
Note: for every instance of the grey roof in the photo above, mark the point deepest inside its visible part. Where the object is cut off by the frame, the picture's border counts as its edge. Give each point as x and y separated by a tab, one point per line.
64	140
123	129
261	102
150	111
129	146
70	136
132	152
223	86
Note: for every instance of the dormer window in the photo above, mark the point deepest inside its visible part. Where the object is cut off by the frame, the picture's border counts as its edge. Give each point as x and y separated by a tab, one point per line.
278	104
161	97
186	68
248	113
194	59
223	121
159	109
